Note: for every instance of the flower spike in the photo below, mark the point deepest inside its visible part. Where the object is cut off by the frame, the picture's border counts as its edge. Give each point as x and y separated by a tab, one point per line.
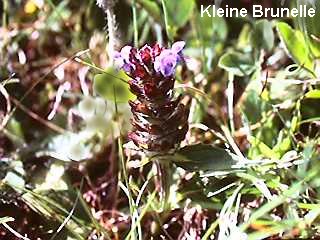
160	121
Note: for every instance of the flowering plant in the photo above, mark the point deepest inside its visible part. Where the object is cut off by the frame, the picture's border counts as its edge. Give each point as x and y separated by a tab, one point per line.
159	119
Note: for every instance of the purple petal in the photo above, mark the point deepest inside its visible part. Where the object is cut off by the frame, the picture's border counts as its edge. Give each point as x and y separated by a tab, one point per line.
166	62
157	64
168	65
126	67
125	53
116	54
168	70
177	47
118	60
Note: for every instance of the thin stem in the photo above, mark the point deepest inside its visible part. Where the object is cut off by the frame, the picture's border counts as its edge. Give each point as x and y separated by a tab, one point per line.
230	93
135	24
164	8
14	232
5	13
199	35
165	175
79	60
35	116
131	201
108	7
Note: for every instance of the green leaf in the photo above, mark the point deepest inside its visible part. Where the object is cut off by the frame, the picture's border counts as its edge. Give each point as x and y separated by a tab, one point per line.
291	193
15	128
237	63
152	8
295	45
253	106
310	26
213	29
244	37
178	13
265	150
315	94
282	146
111	86
204	157
262	36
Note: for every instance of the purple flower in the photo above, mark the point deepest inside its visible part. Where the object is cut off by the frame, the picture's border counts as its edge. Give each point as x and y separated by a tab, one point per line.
168	59
122	58
163	61
178	46
166	63
160	120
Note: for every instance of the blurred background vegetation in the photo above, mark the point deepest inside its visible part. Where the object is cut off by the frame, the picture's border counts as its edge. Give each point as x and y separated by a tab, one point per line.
252	86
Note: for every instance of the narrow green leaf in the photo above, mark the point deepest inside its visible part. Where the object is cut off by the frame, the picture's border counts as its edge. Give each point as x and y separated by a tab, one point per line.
282	146
291	193
294	190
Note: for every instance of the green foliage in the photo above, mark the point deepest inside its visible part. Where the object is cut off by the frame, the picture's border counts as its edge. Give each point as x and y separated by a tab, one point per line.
204	157
243	60
178	13
253	106
262	35
251	153
152	8
237	63
309	26
262	148
315	94
211	29
296	45
112	85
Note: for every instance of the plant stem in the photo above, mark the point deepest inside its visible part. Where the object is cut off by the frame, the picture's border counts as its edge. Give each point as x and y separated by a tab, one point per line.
164	171
130	198
108	8
135	24
230	93
164	8
5	14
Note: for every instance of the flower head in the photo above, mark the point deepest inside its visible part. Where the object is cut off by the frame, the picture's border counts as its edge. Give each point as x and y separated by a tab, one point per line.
159	119
155	60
